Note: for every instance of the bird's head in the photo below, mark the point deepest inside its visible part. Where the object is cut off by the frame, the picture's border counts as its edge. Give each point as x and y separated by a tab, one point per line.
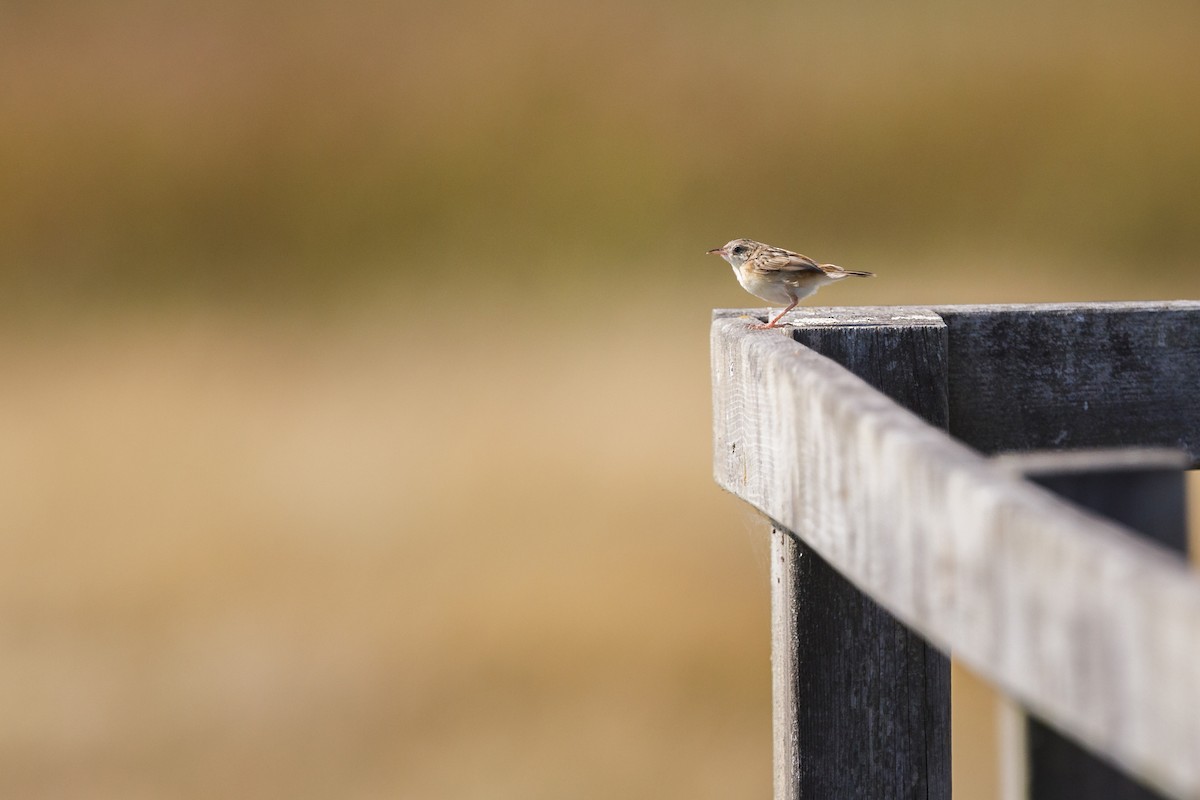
737	251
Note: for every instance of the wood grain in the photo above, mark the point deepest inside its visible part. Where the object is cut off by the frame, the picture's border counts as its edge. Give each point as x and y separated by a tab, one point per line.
862	702
1075	375
1143	490
1024	588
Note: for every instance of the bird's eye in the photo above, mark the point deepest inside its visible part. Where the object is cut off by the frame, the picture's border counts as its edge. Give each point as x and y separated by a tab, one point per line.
740	249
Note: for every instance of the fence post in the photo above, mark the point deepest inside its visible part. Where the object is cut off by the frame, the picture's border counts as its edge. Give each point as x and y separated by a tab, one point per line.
1143	490
861	702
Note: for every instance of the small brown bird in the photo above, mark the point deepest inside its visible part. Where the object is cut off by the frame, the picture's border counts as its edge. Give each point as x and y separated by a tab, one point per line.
777	275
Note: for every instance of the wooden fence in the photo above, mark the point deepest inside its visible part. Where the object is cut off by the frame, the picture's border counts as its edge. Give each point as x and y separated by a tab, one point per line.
1003	483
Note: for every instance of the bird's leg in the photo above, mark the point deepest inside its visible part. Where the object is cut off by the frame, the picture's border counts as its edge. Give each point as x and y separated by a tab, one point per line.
774	323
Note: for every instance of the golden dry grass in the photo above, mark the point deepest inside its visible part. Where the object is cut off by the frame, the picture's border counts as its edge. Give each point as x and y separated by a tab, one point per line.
253	559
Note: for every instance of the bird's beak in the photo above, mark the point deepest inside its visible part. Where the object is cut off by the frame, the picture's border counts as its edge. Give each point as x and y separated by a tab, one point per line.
716	251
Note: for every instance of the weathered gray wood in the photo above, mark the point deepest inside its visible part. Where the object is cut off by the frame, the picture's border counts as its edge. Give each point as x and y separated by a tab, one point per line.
1073	376
862	703
1024	588
785	665
1140	488
1077	375
1143	490
902	354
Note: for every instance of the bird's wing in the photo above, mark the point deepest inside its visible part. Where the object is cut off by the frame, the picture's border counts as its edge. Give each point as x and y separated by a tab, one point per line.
785	261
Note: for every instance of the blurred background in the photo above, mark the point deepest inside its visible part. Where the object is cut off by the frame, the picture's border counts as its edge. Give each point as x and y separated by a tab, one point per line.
354	426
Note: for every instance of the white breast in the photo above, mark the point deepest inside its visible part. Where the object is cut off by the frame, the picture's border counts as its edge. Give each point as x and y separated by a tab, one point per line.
770	290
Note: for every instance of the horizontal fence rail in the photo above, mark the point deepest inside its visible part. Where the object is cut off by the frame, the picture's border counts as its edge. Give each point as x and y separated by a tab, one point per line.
1093	629
1143	490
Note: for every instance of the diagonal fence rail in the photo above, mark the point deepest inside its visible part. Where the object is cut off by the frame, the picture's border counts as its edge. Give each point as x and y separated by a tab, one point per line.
867	436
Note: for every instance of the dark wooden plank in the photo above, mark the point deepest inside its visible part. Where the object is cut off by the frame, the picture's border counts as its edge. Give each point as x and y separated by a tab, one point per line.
1061	769
870	698
1144	491
903	355
1075	376
862	702
870	679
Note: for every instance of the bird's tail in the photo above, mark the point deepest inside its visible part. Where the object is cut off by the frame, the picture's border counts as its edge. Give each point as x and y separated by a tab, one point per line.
835	269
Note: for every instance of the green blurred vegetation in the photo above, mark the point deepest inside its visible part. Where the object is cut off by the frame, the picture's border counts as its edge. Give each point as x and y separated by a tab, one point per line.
224	149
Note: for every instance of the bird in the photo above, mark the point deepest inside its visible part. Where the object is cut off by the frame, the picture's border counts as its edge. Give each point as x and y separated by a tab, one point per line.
777	275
